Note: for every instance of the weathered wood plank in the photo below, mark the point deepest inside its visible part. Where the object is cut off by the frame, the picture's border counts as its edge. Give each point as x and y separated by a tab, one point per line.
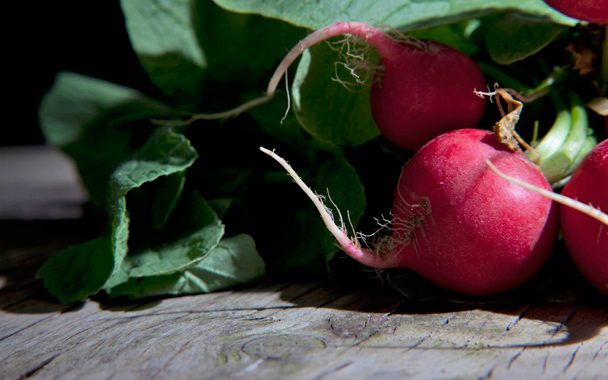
210	336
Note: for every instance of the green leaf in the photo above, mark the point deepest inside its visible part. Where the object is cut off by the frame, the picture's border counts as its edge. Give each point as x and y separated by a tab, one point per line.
242	48
165	153
169	190
78	271
232	262
327	109
516	36
405	15
174	256
163	35
165	258
191	49
99	124
455	35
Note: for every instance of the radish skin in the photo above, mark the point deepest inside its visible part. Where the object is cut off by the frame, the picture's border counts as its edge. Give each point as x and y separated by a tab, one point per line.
585	237
572	203
594	11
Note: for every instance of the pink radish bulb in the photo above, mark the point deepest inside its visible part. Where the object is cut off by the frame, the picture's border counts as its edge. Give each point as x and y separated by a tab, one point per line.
425	89
586	237
456	222
594	11
464	228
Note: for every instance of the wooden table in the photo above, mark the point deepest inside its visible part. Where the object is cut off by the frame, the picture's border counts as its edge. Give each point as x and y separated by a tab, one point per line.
269	330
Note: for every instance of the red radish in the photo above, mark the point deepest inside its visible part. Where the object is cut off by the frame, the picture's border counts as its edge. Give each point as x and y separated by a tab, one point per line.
426	91
425	88
594	11
586	237
458	224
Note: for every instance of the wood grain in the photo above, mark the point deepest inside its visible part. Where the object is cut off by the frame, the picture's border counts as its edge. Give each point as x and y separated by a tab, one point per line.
277	330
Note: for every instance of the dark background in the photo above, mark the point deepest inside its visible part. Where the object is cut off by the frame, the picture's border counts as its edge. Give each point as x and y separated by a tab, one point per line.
87	37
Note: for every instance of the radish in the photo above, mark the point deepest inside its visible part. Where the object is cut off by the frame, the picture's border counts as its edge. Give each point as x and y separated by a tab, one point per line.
584	227
594	11
586	237
458	224
424	89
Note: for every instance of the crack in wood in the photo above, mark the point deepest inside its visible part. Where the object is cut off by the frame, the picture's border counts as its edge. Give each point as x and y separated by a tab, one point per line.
75	335
514	358
41	365
415	346
489	374
478	331
27	327
521	315
571	315
563	324
397	326
600	350
332	371
572	357
546	360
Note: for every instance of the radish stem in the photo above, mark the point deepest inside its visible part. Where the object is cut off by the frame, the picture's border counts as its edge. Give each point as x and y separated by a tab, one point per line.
586	209
376	37
350	246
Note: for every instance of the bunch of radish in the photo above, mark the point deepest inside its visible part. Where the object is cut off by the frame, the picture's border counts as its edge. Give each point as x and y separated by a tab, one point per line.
456	220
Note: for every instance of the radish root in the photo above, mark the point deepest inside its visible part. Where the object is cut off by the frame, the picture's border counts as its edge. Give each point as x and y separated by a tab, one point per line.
338	232
586	209
355	51
350	245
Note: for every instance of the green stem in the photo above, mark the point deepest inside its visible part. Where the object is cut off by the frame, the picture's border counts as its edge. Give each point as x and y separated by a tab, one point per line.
589	144
580	125
561	163
557	135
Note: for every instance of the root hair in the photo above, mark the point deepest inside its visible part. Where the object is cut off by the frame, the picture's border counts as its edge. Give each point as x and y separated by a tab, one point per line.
354	53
